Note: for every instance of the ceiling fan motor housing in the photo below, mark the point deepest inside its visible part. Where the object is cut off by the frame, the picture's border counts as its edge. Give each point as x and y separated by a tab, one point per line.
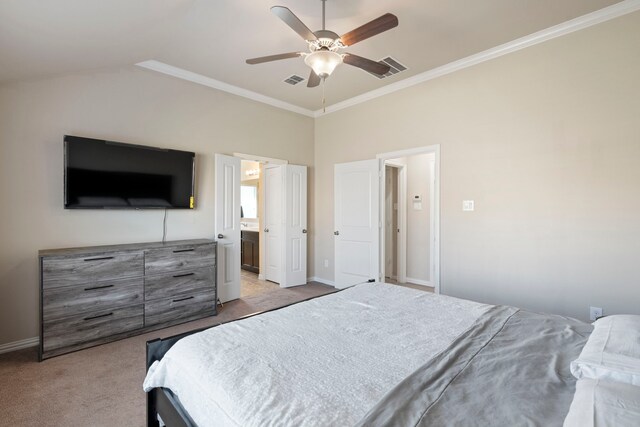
326	39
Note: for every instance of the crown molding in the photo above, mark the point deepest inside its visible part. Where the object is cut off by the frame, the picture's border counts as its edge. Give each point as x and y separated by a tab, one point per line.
190	76
614	11
611	12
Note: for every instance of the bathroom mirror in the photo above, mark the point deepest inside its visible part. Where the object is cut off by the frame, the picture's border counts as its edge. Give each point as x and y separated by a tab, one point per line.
249	199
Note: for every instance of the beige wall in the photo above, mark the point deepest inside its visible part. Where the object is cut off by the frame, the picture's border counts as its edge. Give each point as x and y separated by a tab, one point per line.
128	105
546	141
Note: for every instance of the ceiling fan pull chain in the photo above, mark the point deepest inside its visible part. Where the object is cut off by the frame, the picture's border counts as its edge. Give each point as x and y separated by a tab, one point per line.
324	101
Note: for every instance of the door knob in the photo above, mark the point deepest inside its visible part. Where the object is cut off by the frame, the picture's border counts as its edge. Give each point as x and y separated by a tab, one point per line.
304	231
266	230
337	233
220	236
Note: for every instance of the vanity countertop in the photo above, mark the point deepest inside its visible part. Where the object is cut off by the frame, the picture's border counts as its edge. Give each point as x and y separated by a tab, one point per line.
249	227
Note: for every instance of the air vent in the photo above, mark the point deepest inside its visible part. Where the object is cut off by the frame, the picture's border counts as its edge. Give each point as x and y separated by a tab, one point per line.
396	67
294	80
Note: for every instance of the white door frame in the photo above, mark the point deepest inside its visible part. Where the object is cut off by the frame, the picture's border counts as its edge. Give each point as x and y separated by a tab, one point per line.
435	209
261	159
432	215
401	250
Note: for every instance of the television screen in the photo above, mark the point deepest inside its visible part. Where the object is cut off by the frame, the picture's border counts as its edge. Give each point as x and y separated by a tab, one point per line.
103	174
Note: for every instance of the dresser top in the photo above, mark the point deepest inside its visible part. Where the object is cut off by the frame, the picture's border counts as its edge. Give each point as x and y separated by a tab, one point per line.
125	247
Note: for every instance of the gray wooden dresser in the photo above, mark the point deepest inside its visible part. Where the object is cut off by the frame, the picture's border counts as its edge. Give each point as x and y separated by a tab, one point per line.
94	295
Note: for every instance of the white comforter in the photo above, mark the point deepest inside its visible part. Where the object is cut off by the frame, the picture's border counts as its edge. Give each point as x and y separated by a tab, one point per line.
324	362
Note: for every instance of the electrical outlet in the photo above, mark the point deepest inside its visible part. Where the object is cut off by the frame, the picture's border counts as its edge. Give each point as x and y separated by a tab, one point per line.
595	313
326	263
468	205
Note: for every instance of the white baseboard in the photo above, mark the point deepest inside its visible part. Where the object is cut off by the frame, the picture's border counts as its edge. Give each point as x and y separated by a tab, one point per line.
19	345
321	280
419	282
261	277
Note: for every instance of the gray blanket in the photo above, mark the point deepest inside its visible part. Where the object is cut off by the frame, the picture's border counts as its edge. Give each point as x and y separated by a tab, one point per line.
510	369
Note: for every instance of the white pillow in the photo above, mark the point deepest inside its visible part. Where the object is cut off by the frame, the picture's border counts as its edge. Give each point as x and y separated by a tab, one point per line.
612	351
598	403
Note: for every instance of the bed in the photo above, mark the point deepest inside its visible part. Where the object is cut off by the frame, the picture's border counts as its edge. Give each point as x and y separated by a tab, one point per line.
373	354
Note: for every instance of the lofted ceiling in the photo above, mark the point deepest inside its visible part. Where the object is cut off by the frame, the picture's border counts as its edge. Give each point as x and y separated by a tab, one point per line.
214	37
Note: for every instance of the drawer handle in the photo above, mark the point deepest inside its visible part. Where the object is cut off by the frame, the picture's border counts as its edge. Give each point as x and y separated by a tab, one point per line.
182	299
98	259
183	250
98	287
97	317
184	275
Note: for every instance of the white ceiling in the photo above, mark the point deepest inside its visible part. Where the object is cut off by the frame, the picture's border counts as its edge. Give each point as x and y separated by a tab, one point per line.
214	37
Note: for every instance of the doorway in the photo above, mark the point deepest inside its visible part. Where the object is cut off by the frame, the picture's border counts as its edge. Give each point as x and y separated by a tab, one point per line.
391	224
252	225
359	214
260	219
416	254
409	220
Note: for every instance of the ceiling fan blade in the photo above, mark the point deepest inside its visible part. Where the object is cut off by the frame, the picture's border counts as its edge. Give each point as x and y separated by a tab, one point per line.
366	64
370	29
270	58
294	22
314	79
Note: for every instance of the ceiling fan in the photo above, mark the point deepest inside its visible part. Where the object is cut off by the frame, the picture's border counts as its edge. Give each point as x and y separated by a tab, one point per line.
324	45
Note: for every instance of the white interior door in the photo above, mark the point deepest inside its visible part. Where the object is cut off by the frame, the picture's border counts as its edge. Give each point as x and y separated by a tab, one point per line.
357	222
295	228
227	225
273	221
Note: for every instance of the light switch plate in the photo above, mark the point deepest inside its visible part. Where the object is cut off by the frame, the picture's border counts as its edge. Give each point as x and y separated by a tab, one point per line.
468	205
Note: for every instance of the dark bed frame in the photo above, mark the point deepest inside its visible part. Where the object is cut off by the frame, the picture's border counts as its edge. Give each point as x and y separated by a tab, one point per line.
161	401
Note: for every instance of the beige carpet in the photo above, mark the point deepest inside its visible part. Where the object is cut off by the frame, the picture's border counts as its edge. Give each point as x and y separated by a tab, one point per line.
102	386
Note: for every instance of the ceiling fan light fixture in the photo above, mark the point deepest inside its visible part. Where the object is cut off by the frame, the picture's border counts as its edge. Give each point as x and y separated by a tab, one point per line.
323	62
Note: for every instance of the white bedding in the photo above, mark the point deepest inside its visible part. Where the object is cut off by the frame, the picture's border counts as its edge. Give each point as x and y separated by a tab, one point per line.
318	363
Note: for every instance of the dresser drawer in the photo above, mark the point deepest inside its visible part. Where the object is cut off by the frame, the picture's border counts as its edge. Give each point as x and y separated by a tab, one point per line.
177	284
65	271
179	258
90	297
196	304
85	328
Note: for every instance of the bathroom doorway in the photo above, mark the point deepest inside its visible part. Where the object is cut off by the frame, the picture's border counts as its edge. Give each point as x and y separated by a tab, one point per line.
284	209
252	194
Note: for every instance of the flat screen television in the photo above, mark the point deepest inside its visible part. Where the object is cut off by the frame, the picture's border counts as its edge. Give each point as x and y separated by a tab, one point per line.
111	175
